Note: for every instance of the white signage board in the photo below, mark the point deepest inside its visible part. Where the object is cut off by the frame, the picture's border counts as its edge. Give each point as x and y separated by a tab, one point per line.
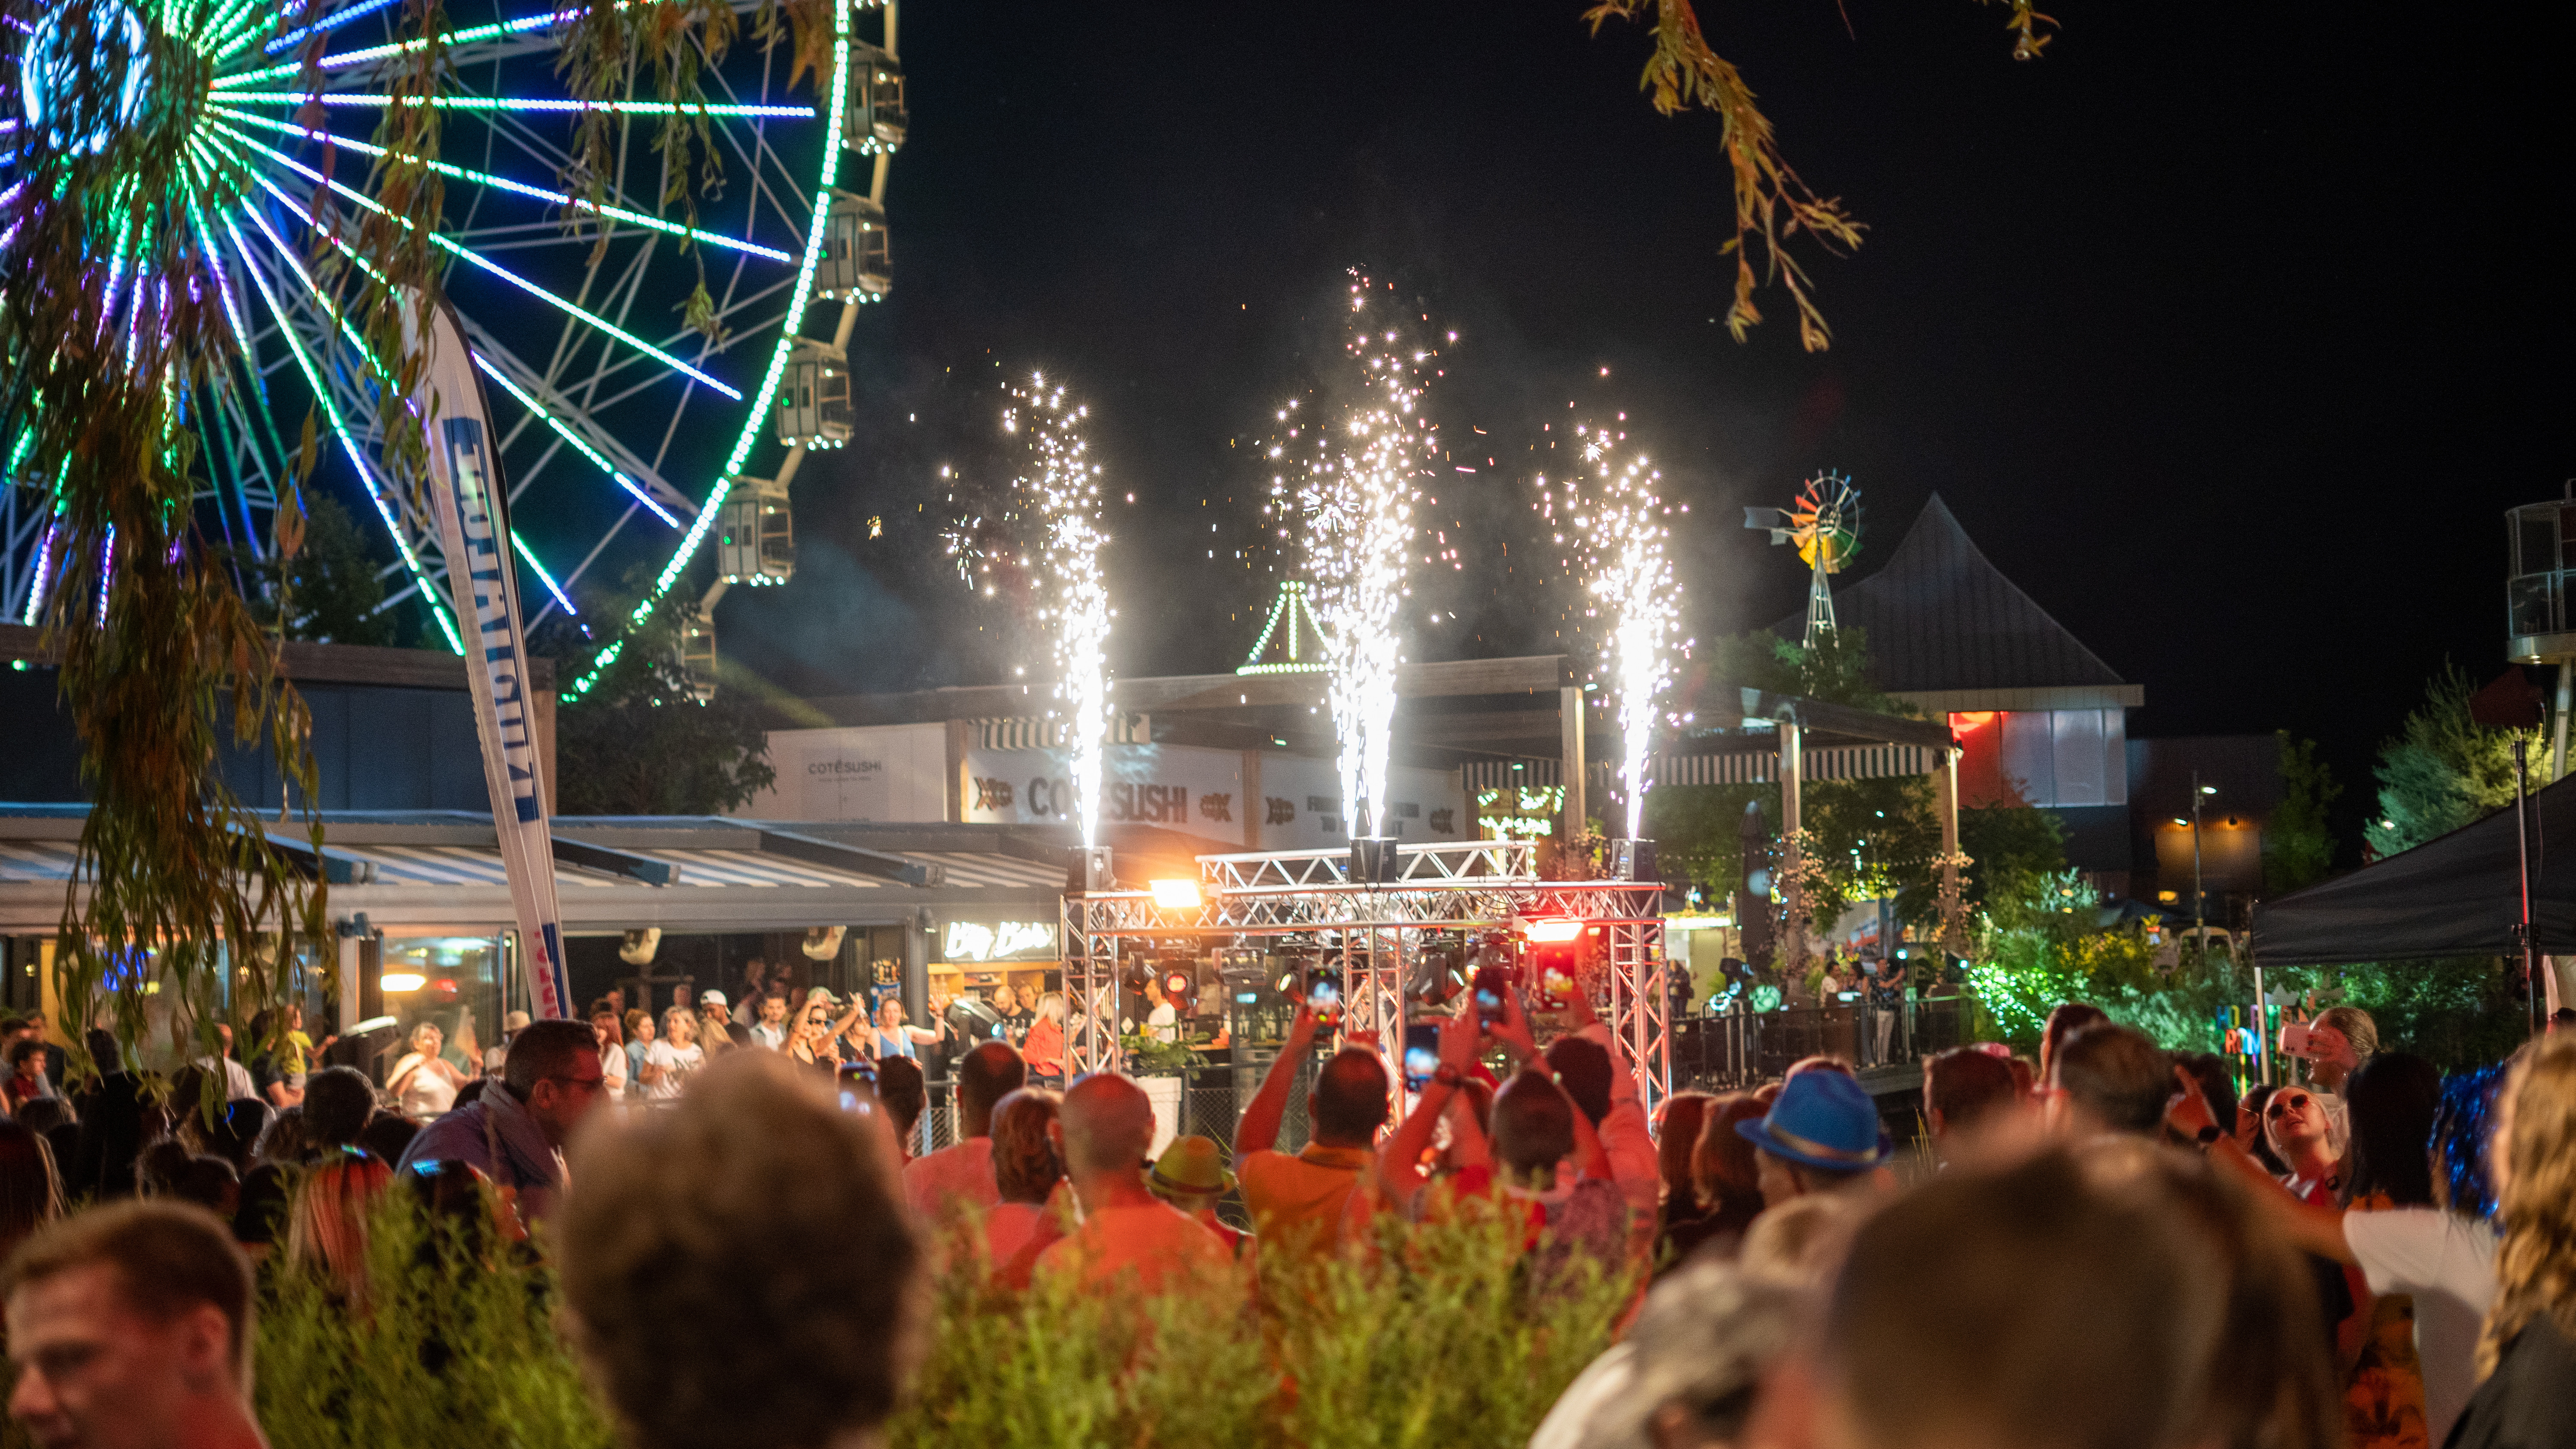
1177	787
869	772
1301	805
976	941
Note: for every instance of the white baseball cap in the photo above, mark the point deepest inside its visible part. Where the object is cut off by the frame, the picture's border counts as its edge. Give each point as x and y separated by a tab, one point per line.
711	998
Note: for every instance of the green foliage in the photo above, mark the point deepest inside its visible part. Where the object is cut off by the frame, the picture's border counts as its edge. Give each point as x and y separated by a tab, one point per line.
2445	769
329	591
2014	852
2049	945
2460	1012
640	743
1434	1339
2298	847
336	1376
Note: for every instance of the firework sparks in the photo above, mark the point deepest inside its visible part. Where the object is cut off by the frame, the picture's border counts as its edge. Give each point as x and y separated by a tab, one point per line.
1063	488
1355	501
1611	518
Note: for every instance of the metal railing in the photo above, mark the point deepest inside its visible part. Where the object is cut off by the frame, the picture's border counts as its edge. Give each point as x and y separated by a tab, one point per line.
1740	1049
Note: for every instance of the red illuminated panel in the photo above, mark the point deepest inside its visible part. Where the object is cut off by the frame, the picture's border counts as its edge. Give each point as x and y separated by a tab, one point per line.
1980	735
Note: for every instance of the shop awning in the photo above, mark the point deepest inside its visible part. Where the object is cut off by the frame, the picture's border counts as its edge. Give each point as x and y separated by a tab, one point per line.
438	869
2459	895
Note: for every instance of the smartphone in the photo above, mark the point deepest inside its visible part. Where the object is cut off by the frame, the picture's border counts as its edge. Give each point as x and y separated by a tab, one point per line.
2294	1040
858	1084
1555	985
1493	990
1324	995
1421	1054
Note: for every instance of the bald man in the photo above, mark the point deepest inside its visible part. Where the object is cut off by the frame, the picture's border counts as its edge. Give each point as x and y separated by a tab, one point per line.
1102	1134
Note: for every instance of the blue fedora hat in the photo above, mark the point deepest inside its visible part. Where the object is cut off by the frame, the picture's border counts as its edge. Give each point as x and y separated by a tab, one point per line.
1822	1120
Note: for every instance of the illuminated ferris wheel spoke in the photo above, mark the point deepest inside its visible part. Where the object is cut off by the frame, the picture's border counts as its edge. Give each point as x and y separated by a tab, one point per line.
539	193
527	105
563	304
323	394
578	443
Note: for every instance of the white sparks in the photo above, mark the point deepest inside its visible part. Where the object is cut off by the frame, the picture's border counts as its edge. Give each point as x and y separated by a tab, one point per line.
1073	601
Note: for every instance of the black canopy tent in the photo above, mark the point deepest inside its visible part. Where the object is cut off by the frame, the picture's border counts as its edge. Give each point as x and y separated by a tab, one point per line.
2459	895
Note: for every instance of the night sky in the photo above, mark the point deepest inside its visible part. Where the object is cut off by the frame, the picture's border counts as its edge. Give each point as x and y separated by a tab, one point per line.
2225	331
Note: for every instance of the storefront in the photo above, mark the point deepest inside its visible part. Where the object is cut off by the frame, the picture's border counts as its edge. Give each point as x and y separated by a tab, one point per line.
425	934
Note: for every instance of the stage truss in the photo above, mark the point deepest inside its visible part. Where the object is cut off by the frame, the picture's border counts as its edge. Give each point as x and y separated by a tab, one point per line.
1247	901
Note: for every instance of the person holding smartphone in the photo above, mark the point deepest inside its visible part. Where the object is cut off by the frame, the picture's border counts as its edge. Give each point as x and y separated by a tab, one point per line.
1296	1199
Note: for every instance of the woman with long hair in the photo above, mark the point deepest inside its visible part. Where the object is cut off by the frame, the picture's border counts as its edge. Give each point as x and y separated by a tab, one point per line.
2390	1100
2527	1354
669	1063
894	1038
326	1229
1044	1049
1681	1214
424	1082
811	1042
31	1191
1723	1168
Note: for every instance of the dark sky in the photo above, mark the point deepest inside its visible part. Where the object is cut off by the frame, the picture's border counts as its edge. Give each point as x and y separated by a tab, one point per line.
2226	331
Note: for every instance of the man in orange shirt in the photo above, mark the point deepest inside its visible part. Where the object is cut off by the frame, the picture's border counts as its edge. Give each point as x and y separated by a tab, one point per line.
1296	1200
1102	1133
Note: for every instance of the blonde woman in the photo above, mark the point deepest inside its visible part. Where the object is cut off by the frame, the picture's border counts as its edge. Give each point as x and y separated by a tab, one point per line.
1044	1049
2527	1355
425	1083
326	1230
669	1062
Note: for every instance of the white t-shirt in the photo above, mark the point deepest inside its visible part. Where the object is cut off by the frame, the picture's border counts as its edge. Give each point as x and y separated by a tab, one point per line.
676	1064
612	1070
772	1037
1163	1023
429	1093
2448	1263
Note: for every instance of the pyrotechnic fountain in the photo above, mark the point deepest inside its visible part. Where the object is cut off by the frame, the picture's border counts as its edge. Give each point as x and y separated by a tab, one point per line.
1356	502
1613	517
1063	487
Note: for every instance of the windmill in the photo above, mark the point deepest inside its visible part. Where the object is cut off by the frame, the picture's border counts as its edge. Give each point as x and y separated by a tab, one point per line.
1824	522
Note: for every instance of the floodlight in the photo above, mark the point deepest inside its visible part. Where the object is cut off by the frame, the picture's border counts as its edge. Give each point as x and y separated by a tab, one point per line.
1175	895
400	981
1560	928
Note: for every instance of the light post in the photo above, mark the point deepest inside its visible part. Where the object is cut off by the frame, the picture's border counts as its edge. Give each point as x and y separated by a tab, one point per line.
2199	902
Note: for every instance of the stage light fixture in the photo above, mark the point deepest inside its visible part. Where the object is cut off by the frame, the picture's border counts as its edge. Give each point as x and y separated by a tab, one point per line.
1175	895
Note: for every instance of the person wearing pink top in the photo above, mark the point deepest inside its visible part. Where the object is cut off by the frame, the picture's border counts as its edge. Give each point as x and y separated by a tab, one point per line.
1102	1133
933	1184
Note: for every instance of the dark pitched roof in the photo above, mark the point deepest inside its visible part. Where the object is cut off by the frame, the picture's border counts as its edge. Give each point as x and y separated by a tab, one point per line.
1941	616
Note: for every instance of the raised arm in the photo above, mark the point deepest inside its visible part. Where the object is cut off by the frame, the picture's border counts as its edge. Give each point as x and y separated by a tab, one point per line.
1259	1129
2309	1228
1400	1161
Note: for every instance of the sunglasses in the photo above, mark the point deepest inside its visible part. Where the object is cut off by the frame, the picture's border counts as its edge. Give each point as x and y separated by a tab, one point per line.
2285	1104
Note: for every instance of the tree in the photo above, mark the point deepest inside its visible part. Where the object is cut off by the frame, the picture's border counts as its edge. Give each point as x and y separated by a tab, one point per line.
2298	847
640	742
2445	770
1771	203
330	591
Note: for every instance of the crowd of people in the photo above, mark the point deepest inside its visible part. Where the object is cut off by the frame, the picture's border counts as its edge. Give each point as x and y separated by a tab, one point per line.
2106	1245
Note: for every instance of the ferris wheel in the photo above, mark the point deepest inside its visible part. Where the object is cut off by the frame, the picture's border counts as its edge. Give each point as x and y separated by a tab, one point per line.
629	436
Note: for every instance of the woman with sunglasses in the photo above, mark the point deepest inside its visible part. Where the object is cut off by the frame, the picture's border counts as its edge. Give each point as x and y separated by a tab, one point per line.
2295	1124
813	1041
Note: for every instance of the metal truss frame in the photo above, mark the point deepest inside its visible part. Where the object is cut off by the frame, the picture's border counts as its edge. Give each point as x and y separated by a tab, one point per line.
1377	930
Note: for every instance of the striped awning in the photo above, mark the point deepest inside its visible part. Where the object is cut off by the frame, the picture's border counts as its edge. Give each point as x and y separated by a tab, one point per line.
1739	767
461	865
1048	732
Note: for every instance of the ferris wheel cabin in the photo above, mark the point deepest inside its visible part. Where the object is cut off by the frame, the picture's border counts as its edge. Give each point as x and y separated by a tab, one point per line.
875	118
755	534
814	397
854	266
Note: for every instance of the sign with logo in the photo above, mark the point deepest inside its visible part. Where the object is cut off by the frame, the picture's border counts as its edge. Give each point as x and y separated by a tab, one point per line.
471	504
1302	805
1176	787
997	941
882	772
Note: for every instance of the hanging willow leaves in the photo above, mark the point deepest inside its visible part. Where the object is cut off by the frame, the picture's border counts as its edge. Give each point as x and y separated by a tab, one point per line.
1772	205
115	344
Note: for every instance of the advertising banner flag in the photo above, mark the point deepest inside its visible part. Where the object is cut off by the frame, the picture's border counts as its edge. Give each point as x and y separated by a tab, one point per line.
470	502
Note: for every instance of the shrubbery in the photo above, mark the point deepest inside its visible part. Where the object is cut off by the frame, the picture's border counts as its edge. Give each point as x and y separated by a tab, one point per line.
1434	1338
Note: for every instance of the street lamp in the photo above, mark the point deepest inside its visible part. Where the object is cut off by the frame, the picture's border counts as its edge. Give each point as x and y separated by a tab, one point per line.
2199	902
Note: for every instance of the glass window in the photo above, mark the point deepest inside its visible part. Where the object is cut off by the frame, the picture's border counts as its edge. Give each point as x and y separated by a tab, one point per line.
450	982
